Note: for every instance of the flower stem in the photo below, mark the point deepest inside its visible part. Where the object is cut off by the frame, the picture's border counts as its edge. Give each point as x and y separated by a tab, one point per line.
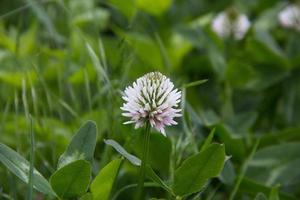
144	162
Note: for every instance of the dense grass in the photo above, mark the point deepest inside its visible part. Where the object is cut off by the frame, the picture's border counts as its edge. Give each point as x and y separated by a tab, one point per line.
65	62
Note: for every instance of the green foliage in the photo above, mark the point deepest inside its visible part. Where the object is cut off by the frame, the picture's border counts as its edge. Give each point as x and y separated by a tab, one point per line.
276	164
133	159
87	196
194	172
159	145
155	7
208	140
154	177
103	183
72	180
67	62
19	166
82	145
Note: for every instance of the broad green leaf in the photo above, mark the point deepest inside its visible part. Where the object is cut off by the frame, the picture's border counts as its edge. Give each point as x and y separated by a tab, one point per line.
251	187
20	167
195	171
270	68
126	7
235	145
15	78
133	159
102	185
276	164
144	46
27	41
72	180
178	48
154	7
82	145
240	75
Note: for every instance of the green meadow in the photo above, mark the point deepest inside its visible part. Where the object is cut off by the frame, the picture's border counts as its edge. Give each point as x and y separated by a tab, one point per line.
65	66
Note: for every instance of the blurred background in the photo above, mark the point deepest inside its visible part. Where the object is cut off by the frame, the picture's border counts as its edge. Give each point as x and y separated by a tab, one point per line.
67	61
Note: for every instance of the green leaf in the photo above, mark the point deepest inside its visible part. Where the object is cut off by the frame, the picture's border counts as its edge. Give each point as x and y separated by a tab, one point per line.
154	7
251	187
194	172
208	140
15	78
228	174
241	75
87	196
144	46
217	60
20	167
276	164
274	194
131	158
72	180
103	183
97	17
158	145
154	177
289	134
82	145
260	196
126	7
235	145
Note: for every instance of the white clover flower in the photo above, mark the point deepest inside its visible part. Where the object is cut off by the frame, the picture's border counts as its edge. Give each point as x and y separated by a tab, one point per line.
290	17
152	98
225	27
221	25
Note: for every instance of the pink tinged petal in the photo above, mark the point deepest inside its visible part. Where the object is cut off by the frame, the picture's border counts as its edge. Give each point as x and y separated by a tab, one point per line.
138	124
162	130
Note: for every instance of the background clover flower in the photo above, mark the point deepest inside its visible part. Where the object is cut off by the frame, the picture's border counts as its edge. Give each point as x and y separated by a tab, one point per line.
225	26
289	17
152	98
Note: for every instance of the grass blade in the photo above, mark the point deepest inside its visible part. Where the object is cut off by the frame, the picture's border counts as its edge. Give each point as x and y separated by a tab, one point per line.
31	167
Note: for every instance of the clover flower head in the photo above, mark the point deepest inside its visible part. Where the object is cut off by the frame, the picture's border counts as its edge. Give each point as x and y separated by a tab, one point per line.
152	99
289	17
225	26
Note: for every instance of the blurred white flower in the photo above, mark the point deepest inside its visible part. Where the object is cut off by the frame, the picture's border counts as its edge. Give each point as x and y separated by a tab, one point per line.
225	26
152	98
289	17
221	25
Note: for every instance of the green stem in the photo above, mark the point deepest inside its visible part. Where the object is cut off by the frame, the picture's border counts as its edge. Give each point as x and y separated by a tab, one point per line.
30	180
144	162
